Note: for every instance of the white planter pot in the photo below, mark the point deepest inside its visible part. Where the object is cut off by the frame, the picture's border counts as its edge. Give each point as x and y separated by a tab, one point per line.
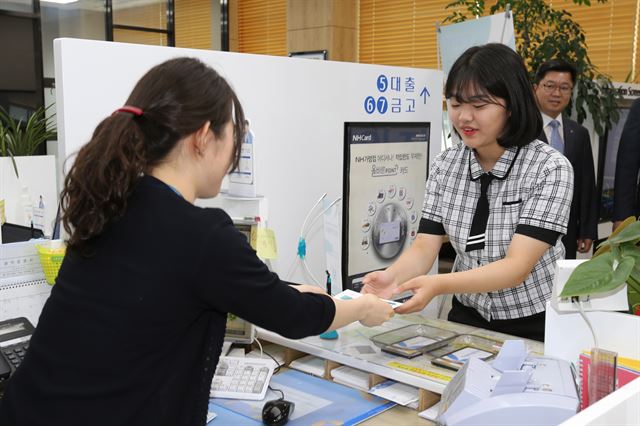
567	334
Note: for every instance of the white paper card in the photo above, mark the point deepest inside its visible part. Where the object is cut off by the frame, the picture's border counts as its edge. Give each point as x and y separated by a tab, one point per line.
350	295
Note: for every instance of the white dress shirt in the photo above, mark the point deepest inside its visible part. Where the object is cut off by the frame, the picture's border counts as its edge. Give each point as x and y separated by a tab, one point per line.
547	129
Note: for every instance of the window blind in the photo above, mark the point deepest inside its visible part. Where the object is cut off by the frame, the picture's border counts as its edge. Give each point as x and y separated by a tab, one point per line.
193	19
610	32
400	32
262	27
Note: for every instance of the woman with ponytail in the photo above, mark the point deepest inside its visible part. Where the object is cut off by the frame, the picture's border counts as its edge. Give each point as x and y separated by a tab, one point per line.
134	326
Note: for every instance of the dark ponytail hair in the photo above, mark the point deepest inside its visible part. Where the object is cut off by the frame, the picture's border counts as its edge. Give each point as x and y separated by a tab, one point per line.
176	98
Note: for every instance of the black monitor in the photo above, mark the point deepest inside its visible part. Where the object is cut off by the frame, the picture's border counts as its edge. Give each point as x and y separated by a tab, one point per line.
237	329
12	233
383	190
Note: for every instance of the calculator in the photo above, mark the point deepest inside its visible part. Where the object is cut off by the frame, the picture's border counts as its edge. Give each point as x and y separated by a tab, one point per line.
15	335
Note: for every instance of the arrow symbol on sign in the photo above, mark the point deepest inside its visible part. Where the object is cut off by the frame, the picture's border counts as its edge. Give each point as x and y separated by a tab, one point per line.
424	94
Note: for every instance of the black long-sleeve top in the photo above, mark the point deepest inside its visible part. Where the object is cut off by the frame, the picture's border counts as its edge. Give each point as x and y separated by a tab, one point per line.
132	334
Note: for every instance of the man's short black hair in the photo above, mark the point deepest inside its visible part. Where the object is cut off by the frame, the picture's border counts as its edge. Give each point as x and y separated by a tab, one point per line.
558	65
497	71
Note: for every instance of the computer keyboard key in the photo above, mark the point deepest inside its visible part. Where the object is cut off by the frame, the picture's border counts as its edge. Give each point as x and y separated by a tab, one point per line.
243	378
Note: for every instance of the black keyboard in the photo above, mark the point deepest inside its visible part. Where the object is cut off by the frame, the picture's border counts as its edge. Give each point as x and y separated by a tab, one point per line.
15	353
15	335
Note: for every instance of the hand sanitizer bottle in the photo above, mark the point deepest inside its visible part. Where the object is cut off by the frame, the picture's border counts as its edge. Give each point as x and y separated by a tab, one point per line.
38	215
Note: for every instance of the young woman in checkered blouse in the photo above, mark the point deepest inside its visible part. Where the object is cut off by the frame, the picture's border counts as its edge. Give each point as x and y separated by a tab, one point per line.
501	196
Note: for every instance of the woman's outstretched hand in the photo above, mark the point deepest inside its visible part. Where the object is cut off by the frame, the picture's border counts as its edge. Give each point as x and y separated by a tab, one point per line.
376	311
423	292
380	283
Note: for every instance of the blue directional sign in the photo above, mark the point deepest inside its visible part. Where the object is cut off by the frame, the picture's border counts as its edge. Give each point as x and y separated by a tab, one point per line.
425	93
403	95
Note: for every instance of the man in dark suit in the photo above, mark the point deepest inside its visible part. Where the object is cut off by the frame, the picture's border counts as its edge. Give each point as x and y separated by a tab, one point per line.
553	86
625	190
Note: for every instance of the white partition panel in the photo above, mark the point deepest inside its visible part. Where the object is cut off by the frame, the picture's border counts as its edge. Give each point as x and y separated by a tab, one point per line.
297	109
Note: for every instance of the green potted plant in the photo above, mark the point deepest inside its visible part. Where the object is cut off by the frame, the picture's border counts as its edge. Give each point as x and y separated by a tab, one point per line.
616	262
23	139
4	147
544	32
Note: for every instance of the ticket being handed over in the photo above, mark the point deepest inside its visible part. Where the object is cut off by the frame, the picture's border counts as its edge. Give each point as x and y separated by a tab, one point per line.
350	294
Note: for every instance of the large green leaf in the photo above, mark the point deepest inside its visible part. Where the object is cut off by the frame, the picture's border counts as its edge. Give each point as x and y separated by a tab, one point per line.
630	249
629	233
633	292
605	247
598	276
634	284
5	150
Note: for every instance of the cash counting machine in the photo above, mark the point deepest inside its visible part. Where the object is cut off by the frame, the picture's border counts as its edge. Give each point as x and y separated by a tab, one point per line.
516	389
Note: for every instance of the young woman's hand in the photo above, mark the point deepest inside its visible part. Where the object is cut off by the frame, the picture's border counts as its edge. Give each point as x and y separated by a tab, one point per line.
423	290
380	283
375	310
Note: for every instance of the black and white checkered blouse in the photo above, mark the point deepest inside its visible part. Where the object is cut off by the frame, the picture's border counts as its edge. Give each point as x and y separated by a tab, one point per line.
530	195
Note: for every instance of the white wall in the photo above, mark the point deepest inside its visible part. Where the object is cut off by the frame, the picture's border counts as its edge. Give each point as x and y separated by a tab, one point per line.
38	173
297	109
617	408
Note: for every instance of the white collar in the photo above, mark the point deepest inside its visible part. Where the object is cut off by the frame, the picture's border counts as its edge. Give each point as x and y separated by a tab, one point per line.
546	119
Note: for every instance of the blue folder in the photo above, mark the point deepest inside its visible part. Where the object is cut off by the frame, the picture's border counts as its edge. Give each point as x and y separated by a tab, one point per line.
339	404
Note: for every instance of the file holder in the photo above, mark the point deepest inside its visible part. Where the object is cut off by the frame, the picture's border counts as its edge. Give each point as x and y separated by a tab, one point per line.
411	341
454	352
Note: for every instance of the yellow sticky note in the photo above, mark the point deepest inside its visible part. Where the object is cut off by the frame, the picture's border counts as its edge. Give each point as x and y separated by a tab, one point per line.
2	216
263	240
253	241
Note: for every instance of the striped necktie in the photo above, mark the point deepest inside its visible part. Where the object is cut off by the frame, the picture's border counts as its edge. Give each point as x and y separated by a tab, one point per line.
479	224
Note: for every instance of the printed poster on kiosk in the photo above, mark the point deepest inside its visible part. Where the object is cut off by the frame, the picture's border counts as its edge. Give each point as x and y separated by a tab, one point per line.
384	182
